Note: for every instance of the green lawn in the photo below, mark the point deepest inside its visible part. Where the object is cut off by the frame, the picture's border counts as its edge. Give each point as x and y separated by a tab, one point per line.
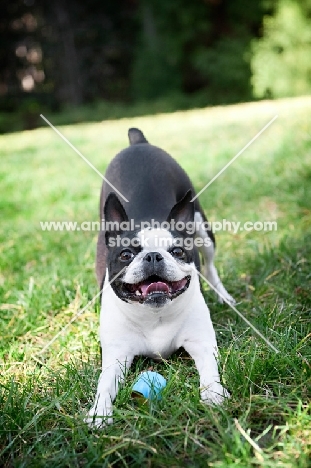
47	277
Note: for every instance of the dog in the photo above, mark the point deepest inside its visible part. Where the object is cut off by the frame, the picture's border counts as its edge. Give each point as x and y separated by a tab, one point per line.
151	301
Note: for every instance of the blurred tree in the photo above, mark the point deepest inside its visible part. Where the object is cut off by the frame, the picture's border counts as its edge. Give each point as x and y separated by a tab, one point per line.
60	52
199	46
88	48
65	52
68	70
20	52
281	62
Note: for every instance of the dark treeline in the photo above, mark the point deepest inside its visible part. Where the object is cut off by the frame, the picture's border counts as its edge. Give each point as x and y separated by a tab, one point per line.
61	52
77	51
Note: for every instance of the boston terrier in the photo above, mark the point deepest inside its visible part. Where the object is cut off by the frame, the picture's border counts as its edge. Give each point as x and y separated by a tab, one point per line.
148	257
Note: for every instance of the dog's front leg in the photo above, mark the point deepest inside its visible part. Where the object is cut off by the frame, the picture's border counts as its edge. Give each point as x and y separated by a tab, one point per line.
204	355
114	368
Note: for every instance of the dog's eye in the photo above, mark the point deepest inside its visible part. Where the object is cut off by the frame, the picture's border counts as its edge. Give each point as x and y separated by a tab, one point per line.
126	255
178	252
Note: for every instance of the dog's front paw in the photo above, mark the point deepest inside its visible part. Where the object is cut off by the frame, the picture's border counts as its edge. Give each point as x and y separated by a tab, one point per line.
214	394
98	419
224	296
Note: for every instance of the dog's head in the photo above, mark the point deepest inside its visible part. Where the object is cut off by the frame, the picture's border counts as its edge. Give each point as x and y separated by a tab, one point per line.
154	265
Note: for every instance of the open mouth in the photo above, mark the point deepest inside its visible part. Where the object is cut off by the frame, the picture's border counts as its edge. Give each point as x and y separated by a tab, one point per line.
154	286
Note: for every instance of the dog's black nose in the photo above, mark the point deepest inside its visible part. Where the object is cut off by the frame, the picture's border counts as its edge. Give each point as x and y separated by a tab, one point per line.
153	257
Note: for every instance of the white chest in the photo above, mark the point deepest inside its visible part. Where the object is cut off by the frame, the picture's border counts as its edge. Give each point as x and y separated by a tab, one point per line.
160	341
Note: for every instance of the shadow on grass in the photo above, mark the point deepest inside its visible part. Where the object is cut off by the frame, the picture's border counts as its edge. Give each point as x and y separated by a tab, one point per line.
29	117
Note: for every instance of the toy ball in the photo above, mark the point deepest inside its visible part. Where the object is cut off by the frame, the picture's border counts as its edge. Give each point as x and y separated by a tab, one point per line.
150	385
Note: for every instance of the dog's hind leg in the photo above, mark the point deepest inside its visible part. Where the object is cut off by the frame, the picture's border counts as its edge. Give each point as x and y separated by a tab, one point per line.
208	252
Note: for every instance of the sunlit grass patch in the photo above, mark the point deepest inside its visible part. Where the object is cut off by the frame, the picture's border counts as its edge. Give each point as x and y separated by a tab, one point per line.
46	278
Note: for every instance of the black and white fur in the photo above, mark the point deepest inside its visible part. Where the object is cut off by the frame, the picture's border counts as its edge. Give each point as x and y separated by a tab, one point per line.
155	305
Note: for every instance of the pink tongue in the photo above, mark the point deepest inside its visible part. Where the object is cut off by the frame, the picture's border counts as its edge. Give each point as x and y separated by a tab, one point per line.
154	287
176	285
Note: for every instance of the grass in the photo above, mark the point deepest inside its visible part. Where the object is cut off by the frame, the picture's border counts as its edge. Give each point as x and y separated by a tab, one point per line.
47	277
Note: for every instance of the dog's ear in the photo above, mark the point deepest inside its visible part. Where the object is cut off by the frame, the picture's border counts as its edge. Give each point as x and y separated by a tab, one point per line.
113	210
114	215
183	211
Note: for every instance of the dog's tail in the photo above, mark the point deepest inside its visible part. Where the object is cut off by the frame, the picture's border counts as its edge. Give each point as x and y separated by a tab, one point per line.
136	136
